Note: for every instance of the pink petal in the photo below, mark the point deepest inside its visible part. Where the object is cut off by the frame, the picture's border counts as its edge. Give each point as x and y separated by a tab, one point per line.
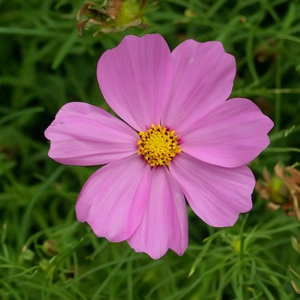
216	194
230	136
113	199
84	135
203	75
135	79
164	224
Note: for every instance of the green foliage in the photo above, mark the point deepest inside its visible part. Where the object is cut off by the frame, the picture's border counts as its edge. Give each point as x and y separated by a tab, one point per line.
45	253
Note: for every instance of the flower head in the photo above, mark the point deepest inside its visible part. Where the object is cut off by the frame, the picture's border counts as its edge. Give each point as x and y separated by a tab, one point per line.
180	139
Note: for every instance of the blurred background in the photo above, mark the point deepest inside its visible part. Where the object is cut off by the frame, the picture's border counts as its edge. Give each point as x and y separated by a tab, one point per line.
47	59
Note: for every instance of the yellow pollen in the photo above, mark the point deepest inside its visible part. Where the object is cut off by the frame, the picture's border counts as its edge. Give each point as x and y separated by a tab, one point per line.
158	145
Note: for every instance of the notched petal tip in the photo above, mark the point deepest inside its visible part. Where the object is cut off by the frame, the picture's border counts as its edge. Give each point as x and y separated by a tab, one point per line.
216	194
232	135
135	79
113	199
83	134
164	224
203	75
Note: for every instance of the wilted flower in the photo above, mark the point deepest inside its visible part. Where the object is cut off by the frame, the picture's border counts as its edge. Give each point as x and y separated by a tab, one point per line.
180	139
111	15
281	190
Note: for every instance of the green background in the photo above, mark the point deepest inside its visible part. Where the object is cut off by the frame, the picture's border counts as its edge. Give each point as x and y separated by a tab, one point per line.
44	252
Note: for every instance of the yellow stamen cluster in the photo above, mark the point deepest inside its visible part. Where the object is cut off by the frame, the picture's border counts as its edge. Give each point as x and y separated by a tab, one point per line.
158	145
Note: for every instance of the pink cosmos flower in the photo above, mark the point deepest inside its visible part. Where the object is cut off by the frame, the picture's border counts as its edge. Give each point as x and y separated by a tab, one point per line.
180	139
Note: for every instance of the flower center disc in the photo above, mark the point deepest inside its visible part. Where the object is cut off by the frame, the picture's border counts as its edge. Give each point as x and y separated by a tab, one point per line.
158	145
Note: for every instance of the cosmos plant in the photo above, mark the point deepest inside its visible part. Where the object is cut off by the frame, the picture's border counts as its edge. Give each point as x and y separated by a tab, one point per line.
177	139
